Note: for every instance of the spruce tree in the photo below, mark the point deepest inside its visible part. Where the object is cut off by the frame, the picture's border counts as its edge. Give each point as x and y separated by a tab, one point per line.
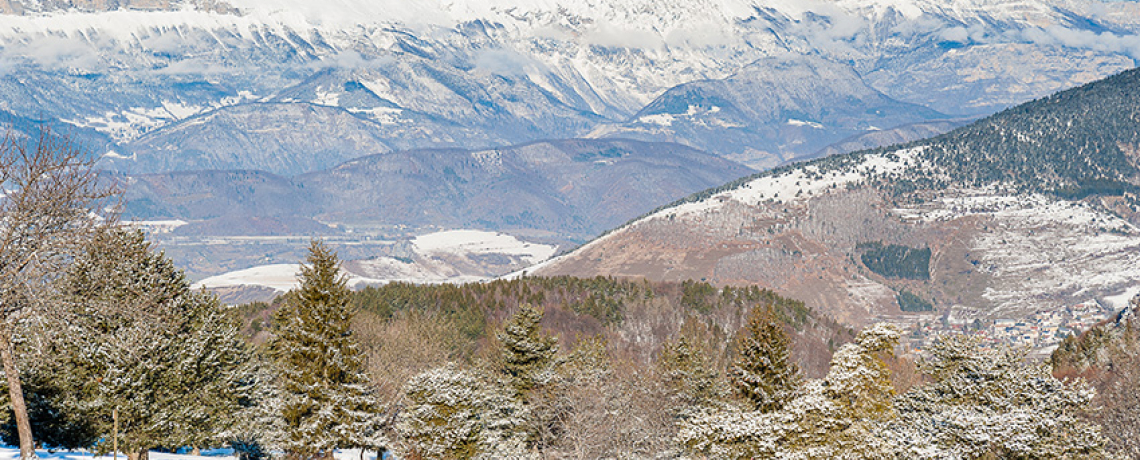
452	413
527	355
137	341
326	399
690	379
764	373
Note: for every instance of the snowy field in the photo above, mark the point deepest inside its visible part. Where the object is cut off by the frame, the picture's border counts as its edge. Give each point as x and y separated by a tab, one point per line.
464	242
281	277
439	258
13	453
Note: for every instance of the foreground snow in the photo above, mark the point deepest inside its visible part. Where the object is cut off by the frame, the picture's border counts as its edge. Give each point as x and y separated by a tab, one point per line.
13	453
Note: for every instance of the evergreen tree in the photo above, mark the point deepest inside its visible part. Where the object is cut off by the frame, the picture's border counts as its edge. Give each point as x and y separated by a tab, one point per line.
326	398
833	417
691	379
453	414
137	341
527	355
764	374
988	401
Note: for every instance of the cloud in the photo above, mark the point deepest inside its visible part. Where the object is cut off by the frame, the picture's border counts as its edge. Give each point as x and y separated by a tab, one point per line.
349	60
163	42
708	36
1104	42
503	62
609	35
194	66
55	53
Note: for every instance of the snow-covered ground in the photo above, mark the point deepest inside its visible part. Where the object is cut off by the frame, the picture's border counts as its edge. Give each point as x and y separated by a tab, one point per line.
441	257
281	277
13	453
480	242
1037	247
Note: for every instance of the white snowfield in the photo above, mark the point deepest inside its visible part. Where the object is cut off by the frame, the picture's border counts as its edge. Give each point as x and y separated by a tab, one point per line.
440	259
13	453
480	242
281	277
799	183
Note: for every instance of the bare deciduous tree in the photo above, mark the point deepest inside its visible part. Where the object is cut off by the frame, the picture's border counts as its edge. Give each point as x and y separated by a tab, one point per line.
51	201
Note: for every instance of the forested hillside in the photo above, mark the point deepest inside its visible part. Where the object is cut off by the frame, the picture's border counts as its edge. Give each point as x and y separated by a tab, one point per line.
636	317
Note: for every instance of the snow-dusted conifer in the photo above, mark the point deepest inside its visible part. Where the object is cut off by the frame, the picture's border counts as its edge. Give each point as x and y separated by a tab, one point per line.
690	379
764	374
327	400
988	401
453	413
139	341
527	355
828	418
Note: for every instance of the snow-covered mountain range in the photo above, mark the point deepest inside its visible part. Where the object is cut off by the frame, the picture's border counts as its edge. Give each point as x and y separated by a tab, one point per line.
493	72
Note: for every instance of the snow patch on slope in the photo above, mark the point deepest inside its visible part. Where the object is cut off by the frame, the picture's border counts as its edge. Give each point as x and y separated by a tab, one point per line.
802	183
1037	248
442	257
480	242
281	277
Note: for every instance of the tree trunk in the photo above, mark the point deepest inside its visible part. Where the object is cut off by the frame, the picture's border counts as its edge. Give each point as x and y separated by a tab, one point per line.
141	454
195	451
16	393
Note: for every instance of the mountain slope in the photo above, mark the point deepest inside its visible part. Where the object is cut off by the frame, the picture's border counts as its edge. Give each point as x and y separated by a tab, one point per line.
555	192
1031	209
772	111
281	138
572	187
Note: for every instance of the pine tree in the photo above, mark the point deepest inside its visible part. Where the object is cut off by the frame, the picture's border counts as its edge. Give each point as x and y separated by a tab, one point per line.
138	341
327	401
764	374
527	355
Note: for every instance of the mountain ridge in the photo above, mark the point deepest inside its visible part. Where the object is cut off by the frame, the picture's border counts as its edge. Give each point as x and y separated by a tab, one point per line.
1004	241
529	71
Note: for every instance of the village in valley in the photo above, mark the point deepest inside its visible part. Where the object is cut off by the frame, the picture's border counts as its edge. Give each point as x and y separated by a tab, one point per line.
1040	332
